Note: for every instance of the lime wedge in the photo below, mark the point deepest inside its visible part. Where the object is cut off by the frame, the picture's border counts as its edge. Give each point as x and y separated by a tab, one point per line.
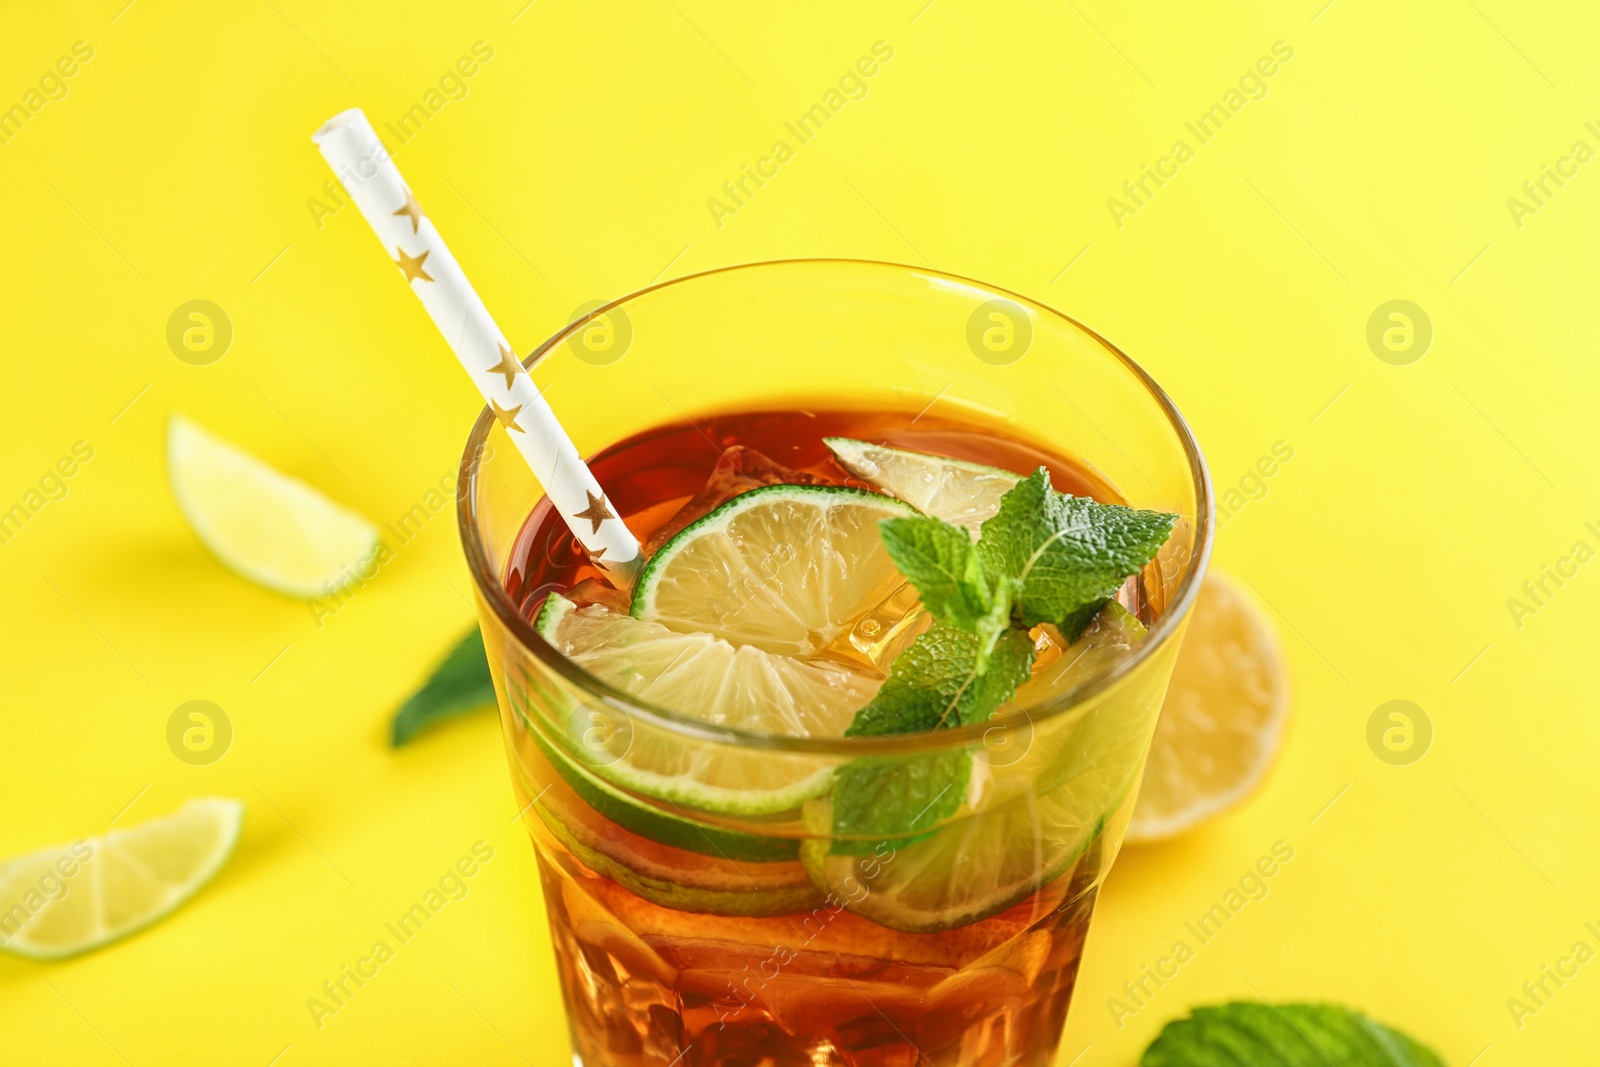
262	524
710	679
70	898
785	568
672	877
960	493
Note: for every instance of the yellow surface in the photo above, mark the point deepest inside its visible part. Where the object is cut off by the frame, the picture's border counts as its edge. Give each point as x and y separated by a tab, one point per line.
578	166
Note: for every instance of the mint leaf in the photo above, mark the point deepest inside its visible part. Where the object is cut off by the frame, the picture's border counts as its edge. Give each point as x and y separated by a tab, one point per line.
1250	1034
955	587
1066	552
938	683
895	799
459	684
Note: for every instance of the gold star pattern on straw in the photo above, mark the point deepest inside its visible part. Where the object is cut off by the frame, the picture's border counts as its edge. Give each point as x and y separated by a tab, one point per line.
596	512
507	416
508	366
411	266
413	209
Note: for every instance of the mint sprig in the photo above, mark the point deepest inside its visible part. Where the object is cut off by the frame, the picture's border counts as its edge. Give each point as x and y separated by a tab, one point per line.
1268	1035
1044	557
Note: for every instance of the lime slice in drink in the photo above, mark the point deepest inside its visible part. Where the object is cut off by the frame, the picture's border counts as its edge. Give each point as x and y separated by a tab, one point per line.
70	898
1035	801
960	493
262	524
707	678
1058	666
973	869
647	820
672	877
785	568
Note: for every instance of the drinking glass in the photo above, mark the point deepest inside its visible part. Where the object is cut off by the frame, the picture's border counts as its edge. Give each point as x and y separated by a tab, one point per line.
689	937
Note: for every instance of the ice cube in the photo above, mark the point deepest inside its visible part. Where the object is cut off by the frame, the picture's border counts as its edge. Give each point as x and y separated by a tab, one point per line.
739	470
882	632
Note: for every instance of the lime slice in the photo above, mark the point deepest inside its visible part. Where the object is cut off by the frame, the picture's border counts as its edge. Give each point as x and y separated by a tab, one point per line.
262	524
70	898
1092	755
674	878
647	820
785	568
710	679
961	493
1032	807
971	870
1058	666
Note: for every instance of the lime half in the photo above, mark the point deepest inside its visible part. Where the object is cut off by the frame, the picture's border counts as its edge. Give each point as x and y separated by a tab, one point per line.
707	678
262	524
785	568
70	898
960	493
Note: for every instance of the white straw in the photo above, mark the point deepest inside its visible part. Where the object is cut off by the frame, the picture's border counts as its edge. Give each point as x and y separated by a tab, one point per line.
412	241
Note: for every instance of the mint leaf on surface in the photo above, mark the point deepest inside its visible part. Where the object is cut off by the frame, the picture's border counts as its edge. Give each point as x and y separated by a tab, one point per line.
459	684
955	587
937	682
1066	551
895	799
1250	1034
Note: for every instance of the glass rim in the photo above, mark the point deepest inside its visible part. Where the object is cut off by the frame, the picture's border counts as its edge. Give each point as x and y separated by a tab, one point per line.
521	629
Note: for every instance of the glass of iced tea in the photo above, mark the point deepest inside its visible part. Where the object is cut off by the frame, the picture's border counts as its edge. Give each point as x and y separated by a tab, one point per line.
775	818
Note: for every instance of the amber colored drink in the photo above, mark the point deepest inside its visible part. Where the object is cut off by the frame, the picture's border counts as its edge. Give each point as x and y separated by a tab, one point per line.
652	979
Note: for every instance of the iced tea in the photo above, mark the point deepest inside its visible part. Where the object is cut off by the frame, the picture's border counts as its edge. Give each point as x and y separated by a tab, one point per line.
703	937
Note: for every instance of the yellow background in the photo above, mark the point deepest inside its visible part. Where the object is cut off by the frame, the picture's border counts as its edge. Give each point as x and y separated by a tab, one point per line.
577	167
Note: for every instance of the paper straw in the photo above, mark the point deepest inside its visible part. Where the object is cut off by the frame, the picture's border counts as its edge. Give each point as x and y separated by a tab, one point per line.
412	241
